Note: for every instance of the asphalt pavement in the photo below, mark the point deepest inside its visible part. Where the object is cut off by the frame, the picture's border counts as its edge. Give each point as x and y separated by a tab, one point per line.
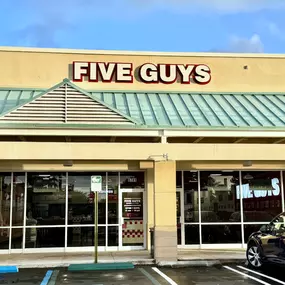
150	275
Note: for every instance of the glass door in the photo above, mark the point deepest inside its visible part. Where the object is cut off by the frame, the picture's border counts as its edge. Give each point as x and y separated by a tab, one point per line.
132	226
180	216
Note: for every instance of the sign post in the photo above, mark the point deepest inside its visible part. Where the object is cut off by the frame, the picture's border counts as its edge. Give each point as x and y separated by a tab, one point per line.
96	186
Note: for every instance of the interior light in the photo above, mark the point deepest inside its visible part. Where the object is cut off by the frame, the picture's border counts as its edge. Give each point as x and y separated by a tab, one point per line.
248	176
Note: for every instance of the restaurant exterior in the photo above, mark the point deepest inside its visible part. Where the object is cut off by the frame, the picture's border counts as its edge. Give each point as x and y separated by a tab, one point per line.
191	145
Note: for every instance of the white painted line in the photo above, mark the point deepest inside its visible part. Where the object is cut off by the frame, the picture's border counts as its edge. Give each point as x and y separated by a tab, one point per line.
263	275
168	279
248	276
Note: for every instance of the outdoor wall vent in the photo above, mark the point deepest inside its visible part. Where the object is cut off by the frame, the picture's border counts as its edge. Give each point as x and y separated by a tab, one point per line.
247	163
68	163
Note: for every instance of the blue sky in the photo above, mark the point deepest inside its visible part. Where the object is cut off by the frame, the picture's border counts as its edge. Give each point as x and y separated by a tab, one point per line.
155	25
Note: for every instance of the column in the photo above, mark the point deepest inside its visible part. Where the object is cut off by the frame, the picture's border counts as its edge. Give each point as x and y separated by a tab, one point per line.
165	236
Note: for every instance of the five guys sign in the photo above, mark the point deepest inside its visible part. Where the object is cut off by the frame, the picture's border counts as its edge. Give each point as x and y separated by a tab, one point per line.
147	73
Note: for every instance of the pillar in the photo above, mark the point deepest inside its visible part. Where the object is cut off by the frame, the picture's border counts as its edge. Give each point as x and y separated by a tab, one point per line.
165	227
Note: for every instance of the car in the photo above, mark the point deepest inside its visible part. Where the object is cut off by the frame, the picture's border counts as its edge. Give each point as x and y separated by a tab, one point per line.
267	245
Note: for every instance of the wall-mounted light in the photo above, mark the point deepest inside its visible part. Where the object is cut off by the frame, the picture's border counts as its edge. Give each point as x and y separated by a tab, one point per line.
68	163
247	163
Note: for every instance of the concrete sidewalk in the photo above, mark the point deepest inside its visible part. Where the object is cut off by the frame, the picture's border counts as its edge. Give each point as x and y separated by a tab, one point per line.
185	258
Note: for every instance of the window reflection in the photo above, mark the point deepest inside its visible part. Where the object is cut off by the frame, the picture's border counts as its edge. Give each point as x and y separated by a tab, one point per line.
113	190
81	199
46	198
261	192
178	179
4	238
218	191
17	238
5	199
214	234
132	180
113	234
191	196
18	199
45	237
192	234
84	236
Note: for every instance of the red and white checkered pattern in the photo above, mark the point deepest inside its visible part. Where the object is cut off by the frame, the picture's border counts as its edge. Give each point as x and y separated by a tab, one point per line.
133	231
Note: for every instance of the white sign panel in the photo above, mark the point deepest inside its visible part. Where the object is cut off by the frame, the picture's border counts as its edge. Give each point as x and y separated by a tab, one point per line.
96	183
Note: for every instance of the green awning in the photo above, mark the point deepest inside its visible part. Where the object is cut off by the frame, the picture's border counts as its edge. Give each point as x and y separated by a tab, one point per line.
174	110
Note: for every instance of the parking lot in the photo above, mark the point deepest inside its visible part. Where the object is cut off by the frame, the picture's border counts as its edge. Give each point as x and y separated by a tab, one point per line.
231	274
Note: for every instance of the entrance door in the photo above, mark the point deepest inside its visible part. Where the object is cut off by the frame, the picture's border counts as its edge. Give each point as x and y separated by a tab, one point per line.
132	226
180	216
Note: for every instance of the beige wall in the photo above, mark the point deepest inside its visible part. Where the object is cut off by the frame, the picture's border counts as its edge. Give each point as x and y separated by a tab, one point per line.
140	151
165	224
44	69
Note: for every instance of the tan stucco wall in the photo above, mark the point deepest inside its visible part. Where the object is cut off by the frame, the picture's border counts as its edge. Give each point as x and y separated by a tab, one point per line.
140	151
165	224
20	68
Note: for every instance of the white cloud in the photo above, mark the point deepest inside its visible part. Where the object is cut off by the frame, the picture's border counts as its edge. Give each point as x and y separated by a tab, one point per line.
251	45
222	6
243	5
275	30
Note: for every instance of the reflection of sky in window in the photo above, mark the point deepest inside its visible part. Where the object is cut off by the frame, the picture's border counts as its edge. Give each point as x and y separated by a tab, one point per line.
5	181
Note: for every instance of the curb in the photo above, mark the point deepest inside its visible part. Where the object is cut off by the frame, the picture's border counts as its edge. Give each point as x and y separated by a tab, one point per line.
200	263
174	264
67	264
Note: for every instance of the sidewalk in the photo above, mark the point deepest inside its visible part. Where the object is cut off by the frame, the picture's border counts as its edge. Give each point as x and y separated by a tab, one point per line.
203	257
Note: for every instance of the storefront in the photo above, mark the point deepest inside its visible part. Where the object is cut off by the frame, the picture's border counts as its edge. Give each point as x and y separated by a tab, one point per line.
60	211
212	213
190	144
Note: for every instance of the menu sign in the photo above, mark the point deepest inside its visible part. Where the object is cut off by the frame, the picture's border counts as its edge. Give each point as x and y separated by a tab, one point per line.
132	207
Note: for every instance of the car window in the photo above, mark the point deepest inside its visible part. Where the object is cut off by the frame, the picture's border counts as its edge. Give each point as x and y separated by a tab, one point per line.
279	223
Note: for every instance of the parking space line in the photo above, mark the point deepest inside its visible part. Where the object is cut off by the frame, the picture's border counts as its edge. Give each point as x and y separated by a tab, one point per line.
152	279
168	279
54	277
263	275
47	277
248	276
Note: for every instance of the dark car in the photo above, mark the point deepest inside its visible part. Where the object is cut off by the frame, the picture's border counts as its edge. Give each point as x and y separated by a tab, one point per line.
268	244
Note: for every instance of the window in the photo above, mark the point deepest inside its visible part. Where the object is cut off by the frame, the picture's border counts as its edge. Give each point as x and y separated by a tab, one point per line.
217	189
45	198
132	180
261	192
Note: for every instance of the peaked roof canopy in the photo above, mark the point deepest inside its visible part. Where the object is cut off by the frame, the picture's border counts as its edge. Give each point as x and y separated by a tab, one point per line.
67	104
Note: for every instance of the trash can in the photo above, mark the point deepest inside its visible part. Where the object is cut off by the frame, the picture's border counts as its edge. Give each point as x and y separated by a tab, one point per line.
151	230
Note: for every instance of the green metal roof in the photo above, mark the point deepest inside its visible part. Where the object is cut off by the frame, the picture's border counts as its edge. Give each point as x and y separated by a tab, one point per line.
199	110
178	110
